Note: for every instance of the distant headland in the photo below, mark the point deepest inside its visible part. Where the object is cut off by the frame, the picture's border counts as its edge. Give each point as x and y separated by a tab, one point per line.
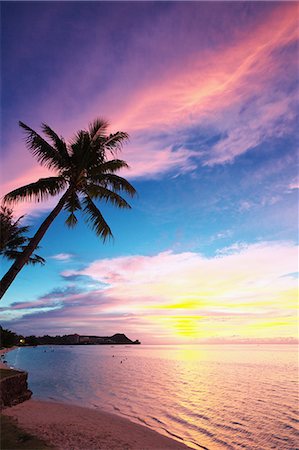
9	339
77	339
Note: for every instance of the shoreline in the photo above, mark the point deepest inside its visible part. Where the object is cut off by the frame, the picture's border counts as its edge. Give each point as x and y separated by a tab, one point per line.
70	427
3	351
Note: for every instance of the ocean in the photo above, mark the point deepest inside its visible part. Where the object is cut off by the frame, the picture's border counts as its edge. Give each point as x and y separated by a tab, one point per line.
209	397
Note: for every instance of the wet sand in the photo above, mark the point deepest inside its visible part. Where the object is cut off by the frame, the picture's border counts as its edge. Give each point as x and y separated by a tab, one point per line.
69	427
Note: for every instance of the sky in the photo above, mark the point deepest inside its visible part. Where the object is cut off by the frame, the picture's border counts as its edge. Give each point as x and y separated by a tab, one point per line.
208	92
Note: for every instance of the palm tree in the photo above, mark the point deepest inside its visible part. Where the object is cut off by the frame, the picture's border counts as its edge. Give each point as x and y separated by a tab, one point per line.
84	173
12	237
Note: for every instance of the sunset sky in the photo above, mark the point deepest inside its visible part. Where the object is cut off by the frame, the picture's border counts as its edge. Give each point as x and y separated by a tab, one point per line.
209	95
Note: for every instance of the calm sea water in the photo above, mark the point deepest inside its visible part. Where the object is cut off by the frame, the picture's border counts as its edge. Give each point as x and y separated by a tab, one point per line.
213	397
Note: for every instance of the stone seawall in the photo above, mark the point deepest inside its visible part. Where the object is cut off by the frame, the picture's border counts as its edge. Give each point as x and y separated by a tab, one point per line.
13	387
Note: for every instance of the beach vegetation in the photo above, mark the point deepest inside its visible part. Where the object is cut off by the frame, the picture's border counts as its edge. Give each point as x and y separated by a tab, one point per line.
85	172
9	338
13	237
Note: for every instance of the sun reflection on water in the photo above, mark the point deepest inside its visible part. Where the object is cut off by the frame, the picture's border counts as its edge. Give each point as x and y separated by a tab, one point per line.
218	397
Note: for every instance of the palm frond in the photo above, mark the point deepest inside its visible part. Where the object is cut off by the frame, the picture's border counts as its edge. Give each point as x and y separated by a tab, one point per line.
14	254
13	240
85	154
10	254
102	193
95	219
98	128
73	202
11	234
71	205
38	191
81	150
46	155
111	166
17	238
79	142
114	182
114	142
71	220
36	259
58	142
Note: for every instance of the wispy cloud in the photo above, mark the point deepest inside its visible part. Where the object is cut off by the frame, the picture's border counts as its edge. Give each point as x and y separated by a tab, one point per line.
239	91
63	256
294	185
182	294
232	277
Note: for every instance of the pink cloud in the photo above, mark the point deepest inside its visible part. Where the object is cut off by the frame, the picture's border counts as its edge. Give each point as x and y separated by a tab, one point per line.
241	286
249	291
216	76
29	176
151	162
294	185
208	90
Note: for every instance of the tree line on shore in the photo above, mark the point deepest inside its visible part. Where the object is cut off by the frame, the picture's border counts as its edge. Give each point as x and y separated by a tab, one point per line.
10	339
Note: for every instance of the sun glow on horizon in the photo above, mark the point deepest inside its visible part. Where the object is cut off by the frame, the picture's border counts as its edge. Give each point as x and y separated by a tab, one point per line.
187	296
208	250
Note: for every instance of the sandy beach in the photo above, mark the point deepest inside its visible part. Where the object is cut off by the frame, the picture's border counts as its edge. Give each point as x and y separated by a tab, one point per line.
69	427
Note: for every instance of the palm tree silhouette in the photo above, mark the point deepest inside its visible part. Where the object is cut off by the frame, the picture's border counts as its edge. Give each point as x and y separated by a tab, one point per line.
13	237
84	173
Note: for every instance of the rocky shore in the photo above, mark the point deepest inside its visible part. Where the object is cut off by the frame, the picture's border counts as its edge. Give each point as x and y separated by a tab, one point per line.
13	385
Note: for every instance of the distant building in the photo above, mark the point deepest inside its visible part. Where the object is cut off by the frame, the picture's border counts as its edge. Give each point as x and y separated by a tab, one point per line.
115	339
93	340
84	340
72	339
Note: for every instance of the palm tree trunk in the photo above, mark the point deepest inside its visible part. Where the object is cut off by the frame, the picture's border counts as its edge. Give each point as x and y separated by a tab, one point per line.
27	252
